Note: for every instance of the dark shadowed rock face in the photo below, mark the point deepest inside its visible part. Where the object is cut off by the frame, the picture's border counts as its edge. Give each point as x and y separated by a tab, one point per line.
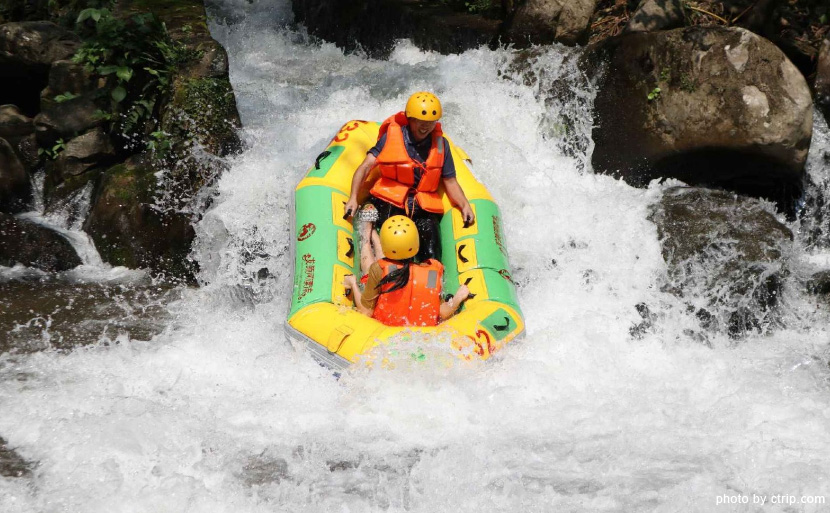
548	21
375	25
726	255
709	106
15	190
654	15
822	83
33	245
27	49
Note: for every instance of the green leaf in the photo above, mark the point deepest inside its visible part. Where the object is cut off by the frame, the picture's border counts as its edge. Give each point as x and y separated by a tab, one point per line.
107	70
85	14
124	73
118	94
65	97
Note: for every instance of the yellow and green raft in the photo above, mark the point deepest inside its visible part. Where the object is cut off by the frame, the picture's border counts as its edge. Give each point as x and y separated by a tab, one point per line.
325	251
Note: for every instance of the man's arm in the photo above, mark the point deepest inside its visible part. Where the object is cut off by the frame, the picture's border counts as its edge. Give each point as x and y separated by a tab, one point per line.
457	197
359	176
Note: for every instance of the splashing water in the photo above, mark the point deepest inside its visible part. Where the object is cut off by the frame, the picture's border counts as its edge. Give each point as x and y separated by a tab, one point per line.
218	413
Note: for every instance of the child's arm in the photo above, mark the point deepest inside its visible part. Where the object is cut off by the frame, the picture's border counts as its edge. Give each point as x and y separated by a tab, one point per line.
449	307
351	284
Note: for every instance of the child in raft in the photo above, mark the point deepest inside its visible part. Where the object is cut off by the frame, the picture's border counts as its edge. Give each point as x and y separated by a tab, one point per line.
398	291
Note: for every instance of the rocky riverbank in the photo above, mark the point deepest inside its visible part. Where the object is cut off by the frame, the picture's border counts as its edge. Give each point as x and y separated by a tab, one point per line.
128	102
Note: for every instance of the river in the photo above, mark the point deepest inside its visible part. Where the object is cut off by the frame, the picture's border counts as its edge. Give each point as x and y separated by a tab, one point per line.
191	400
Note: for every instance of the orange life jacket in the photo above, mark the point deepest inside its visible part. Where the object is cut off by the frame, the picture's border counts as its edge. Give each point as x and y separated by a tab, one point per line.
416	304
397	168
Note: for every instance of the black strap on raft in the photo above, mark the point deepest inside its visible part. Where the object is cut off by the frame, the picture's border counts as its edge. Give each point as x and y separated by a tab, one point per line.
320	158
467	282
350	252
503	327
461	257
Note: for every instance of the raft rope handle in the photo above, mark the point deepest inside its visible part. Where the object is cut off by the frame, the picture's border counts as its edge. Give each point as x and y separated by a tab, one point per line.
461	257
320	158
467	282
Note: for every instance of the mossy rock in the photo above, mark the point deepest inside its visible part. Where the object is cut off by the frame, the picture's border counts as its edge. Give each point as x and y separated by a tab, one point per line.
203	110
130	230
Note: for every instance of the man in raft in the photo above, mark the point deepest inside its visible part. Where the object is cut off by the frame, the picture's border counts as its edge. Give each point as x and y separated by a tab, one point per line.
400	292
413	157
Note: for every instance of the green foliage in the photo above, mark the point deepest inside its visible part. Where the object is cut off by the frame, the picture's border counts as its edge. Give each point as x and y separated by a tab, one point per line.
65	97
53	152
654	94
159	143
665	74
138	57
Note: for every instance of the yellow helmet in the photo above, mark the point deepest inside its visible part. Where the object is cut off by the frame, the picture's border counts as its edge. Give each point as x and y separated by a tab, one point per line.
399	238
424	106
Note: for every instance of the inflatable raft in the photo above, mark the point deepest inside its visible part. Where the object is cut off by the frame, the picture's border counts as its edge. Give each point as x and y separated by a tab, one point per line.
326	250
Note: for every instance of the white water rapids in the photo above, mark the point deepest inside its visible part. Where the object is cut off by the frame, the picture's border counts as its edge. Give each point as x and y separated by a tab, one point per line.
217	413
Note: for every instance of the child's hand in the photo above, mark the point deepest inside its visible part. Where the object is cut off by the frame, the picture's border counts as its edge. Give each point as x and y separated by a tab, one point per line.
349	282
461	294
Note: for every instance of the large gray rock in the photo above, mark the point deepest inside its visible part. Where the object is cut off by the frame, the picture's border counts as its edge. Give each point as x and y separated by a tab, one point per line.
726	254
548	21
706	105
654	15
822	83
36	44
15	190
33	245
13	123
83	152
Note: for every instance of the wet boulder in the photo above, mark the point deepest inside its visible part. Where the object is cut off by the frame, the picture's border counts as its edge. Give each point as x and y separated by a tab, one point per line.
819	284
726	255
654	15
13	123
36	44
707	105
93	148
15	189
548	21
11	463
24	242
129	229
822	83
71	104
